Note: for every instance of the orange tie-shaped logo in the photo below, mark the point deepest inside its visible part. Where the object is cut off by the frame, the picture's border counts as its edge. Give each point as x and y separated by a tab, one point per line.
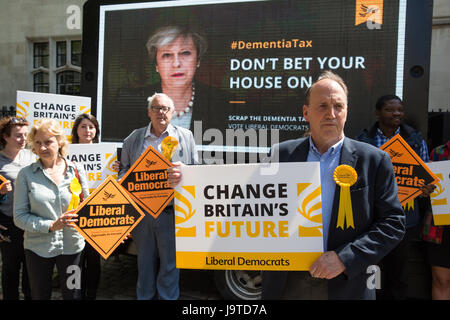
369	10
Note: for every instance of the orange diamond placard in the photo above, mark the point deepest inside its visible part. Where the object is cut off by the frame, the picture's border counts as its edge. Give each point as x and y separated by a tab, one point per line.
411	173
107	216
146	182
2	180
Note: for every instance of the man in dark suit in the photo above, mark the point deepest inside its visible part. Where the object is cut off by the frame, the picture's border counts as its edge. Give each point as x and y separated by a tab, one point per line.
341	272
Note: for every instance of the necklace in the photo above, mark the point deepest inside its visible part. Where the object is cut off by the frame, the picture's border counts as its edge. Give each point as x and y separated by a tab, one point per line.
189	106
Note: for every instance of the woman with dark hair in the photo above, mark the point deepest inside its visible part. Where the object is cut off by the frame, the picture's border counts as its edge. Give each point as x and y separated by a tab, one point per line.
13	157
85	129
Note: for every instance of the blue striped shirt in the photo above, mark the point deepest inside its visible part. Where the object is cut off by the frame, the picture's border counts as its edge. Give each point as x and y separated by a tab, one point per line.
328	163
381	139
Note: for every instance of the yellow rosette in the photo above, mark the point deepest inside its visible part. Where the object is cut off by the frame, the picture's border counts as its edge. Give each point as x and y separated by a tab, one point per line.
168	147
75	189
345	176
408	205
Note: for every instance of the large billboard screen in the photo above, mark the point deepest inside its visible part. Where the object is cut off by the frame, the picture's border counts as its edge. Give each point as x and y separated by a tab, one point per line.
233	64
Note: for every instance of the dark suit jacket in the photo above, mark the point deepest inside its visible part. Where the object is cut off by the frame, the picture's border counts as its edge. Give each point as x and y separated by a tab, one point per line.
378	217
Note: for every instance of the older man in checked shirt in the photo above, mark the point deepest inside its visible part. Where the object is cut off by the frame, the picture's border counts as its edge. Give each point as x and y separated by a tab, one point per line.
155	237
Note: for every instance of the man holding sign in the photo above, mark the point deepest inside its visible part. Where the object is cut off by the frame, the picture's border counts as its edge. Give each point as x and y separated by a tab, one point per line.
362	216
155	236
389	110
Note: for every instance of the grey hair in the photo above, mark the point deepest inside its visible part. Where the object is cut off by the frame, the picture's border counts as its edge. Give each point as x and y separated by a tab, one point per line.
156	94
166	35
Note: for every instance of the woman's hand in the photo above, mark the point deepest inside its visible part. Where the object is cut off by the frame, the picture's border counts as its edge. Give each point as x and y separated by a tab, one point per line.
6	187
65	220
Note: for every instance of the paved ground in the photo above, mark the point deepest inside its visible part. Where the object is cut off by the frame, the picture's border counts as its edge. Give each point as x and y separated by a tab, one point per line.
118	281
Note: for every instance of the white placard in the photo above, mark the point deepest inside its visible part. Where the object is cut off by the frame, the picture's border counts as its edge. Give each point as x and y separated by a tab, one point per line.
97	159
63	108
440	198
235	217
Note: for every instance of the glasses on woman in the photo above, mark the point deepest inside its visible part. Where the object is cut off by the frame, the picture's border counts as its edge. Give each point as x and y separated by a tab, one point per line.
18	120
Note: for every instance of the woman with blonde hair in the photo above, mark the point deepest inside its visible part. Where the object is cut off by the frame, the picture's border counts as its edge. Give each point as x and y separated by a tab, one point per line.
43	207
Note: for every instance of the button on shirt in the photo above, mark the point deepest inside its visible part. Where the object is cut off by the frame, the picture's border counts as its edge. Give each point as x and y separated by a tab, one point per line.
151	140
328	163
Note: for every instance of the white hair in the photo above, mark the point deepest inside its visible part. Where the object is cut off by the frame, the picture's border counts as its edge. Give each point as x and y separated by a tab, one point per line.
156	94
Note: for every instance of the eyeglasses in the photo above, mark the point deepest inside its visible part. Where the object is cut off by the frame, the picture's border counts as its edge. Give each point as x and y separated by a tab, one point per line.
16	120
164	109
